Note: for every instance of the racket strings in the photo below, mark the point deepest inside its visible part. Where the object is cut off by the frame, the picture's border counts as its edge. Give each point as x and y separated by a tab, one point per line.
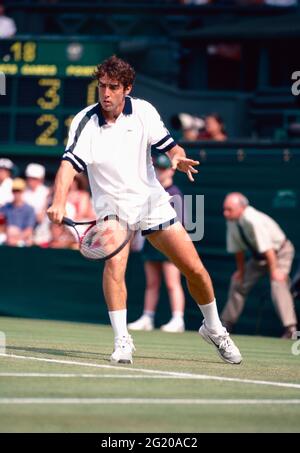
104	239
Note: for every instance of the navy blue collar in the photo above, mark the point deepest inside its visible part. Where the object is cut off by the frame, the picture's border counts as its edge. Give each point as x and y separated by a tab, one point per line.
127	110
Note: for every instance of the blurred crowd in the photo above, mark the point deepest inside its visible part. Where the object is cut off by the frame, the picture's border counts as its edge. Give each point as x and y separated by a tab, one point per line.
194	128
23	206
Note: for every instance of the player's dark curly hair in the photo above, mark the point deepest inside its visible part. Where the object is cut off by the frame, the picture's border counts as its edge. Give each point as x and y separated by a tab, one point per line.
117	69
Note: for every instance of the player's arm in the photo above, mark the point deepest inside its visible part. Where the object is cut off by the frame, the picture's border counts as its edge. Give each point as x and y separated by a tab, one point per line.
182	163
62	184
275	273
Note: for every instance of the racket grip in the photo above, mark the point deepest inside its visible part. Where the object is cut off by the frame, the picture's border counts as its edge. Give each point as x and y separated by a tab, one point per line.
67	221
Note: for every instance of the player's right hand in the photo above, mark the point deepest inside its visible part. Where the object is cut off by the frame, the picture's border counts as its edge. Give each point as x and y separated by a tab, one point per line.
56	213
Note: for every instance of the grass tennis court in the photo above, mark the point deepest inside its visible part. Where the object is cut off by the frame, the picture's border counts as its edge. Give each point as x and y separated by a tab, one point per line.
57	378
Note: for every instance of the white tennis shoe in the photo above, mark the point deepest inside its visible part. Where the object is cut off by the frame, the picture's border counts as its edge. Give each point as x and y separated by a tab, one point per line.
175	325
143	323
226	348
123	350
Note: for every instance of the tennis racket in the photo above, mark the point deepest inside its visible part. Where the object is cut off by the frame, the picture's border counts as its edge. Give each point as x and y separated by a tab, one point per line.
102	239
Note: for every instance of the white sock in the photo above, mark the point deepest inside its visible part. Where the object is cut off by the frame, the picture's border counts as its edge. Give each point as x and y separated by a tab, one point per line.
177	315
118	321
211	316
149	314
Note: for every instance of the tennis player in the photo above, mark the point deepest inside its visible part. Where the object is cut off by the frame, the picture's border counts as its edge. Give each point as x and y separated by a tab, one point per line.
112	140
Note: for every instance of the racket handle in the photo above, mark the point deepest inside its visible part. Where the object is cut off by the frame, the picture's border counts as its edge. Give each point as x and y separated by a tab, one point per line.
67	221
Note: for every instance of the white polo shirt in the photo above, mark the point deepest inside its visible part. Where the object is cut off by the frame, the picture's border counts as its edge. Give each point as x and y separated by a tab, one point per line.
262	232
117	157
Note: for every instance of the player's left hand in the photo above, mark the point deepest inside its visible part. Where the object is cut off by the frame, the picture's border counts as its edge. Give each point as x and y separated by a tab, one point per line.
185	165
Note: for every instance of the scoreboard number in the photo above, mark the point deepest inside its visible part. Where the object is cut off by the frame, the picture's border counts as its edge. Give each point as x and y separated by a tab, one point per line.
23	51
46	137
92	93
67	123
51	98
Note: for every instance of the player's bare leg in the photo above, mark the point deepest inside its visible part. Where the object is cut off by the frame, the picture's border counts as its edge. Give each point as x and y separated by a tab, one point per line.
115	293
114	286
176	244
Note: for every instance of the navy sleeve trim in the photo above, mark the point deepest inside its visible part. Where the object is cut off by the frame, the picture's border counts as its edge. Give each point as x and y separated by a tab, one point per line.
166	148
79	170
162	141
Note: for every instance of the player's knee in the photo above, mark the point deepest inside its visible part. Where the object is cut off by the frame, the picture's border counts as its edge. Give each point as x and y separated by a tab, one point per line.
115	266
196	273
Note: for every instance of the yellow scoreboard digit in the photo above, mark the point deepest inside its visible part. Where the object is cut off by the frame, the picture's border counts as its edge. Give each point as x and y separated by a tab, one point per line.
51	98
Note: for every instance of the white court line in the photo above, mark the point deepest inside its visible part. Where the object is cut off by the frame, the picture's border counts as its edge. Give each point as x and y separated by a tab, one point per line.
87	375
166	373
162	401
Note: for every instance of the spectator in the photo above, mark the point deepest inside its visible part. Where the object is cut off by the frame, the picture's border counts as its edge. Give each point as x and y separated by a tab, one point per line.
190	125
215	128
36	193
156	265
79	197
190	134
20	217
6	196
7	25
252	230
61	238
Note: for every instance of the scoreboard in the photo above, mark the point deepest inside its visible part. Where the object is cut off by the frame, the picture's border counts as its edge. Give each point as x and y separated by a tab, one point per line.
47	81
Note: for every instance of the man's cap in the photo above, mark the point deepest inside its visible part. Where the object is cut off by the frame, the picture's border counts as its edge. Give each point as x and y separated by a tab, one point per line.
18	184
162	161
6	163
191	122
35	171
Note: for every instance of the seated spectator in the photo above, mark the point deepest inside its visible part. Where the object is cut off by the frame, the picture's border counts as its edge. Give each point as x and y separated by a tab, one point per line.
20	217
6	196
7	25
190	134
80	198
36	193
191	126
61	238
215	128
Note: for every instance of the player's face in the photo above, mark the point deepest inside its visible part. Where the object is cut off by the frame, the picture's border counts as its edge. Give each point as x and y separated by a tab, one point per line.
112	94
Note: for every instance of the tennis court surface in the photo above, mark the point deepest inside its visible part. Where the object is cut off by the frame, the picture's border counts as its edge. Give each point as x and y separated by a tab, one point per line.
56	377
